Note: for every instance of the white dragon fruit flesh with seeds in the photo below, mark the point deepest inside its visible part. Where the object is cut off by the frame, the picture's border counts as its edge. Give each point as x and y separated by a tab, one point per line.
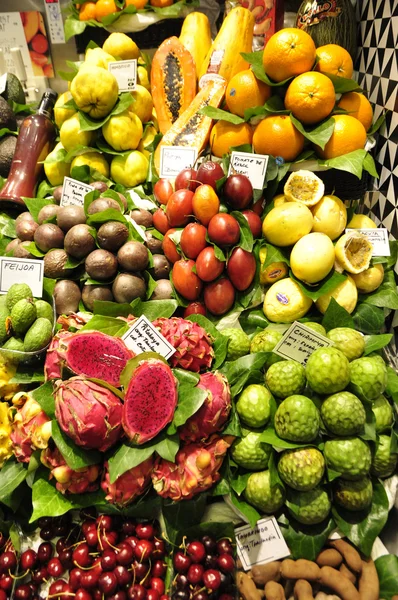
67	480
128	486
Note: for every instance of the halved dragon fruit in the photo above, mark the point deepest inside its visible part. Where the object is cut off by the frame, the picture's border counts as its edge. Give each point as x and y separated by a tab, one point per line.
94	354
67	480
150	401
213	413
128	486
52	365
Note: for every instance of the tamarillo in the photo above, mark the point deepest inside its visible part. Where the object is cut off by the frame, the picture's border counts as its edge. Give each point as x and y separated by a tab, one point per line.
303	590
343	587
350	555
368	584
300	569
274	591
247	587
347	573
329	558
261	574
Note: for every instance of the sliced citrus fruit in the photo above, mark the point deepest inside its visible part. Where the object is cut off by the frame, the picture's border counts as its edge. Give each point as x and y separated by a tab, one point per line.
305	187
353	252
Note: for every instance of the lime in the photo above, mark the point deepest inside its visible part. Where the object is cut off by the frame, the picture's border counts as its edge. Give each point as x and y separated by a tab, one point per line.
253	406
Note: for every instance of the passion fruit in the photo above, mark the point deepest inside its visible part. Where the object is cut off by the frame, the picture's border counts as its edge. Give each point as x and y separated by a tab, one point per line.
26	229
47	212
127	287
66	297
133	256
90	293
102	204
142	217
101	265
54	264
49	236
69	216
112	235
79	241
163	290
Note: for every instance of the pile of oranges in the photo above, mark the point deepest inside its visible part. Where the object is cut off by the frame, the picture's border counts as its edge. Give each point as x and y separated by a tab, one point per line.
98	10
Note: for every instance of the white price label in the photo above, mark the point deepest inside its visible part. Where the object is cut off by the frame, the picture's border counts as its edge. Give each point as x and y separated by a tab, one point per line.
21	270
174	159
125	72
144	337
55	22
378	238
73	192
261	544
299	342
254	166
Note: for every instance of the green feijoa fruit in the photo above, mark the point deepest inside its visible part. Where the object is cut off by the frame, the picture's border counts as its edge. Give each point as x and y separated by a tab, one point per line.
23	314
17	292
45	310
38	335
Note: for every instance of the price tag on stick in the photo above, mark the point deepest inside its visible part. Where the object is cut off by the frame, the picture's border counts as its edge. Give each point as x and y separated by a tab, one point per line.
254	166
174	159
125	72
74	191
21	270
144	337
261	544
299	342
378	238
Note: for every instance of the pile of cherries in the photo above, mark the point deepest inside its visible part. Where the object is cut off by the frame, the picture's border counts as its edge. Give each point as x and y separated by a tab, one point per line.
205	570
102	557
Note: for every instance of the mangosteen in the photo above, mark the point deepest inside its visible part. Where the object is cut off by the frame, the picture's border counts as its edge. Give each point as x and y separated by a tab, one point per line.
153	244
112	235
25	216
48	236
54	264
101	265
161	267
47	212
102	204
25	230
68	216
11	246
142	217
100	186
79	241
127	287
66	296
91	293
163	290
57	194
21	251
133	256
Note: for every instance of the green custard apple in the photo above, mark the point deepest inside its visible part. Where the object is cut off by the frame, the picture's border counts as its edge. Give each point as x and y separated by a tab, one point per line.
250	453
261	495
349	341
368	378
327	371
285	378
383	413
238	344
343	414
301	469
310	507
349	456
265	341
353	495
316	327
384	461
17	292
297	419
253	406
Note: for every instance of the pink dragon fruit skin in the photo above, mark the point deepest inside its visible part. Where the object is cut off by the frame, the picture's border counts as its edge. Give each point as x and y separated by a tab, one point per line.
194	350
150	401
213	413
94	354
88	413
52	365
67	480
31	430
195	470
128	486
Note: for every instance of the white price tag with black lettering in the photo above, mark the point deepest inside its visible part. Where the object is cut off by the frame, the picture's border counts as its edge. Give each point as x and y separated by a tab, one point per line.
254	166
261	544
74	191
299	342
144	337
378	238
174	159
21	270
125	72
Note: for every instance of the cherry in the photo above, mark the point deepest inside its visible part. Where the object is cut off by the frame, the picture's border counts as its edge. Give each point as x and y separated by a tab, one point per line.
145	531
75	576
90	579
33	586
212	579
136	592
143	550
54	567
108	560
6	582
209	544
107	539
195	574
61	529
82	594
108	583
181	581
159	568
91	537
196	551
157	584
81	556
159	548
120	595
3	595
182	595
224	547
132	540
123	576
211	562
66	558
45	522
201	596
40	575
45	552
128	527
61	544
23	592
152	594
28	560
140	569
47	533
57	587
226	597
105	522
125	555
97	595
87	525
164	597
226	563
8	561
181	562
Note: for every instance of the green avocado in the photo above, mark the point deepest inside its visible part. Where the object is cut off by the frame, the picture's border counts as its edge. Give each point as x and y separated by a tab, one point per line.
7	149
7	117
14	90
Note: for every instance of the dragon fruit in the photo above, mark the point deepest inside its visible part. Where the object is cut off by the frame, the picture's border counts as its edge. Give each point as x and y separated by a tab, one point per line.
88	413
94	354
30	429
195	470
194	350
80	481
213	413
52	365
128	486
150	400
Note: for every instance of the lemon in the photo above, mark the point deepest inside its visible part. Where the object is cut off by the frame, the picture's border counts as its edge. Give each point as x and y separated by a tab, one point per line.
284	225
71	135
345	294
95	91
304	186
61	114
123	131
361	222
143	103
353	252
94	160
143	77
284	302
279	199
370	279
147	139
330	216
96	57
312	257
130	170
56	171
121	46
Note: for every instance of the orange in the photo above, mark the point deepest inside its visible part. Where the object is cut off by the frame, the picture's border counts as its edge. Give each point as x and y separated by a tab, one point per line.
205	203
87	11
160	3
288	52
139	4
358	106
310	97
278	136
245	91
335	60
225	136
349	134
103	8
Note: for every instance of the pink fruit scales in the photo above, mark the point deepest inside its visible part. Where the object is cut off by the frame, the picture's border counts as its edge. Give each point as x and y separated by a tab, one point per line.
67	480
52	365
129	485
150	401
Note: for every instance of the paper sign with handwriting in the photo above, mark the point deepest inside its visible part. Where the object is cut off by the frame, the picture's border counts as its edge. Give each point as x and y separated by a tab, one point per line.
125	72
144	337
21	270
261	544
299	342
174	159
254	166
73	192
378	238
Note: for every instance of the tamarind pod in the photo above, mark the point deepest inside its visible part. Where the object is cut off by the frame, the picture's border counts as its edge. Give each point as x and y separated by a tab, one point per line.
300	569
246	587
368	584
303	590
347	573
261	574
274	591
329	558
333	579
350	555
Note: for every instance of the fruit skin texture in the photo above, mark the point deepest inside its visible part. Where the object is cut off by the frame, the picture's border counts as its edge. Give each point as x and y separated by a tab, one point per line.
265	341
369	280
276	135
68	480
224	230
354	252
284	302
225	135
285	378
301	469
120	45
213	413
123	131
130	169
383	413
195	470
262	495
343	414
358	106
335	60
348	135
287	53
88	413
253	405
195	36
219	296
128	486
238	344
22	316
353	495
205	203
312	506
241	268
193	240
330	216
384	461
31	428
179	207
150	401
312	257
250	452
345	294
327	371
208	266
297	419
349	456
245	91
6	450
368	378
185	281
95	91
310	97
349	341
52	365
194	350
284	225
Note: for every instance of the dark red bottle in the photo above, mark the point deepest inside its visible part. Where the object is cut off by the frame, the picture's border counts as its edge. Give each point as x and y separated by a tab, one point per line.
35	139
